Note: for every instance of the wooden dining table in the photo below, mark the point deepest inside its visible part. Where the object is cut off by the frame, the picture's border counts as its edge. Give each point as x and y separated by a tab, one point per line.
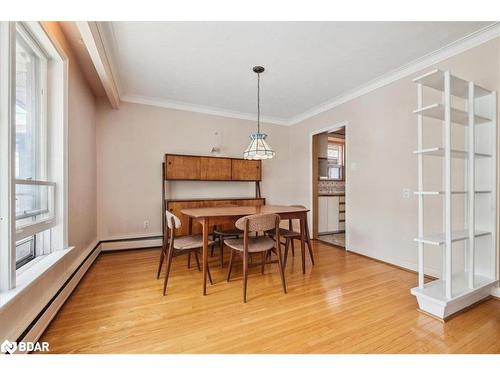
210	216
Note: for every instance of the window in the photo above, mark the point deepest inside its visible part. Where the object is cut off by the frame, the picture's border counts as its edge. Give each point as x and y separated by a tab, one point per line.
29	125
335	161
34	194
33	149
25	251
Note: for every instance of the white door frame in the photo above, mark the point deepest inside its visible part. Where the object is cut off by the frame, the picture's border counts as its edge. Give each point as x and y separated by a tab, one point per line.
312	133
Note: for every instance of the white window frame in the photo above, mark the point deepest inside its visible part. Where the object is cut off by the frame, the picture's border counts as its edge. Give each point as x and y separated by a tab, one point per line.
56	117
38	226
29	230
340	165
41	110
7	155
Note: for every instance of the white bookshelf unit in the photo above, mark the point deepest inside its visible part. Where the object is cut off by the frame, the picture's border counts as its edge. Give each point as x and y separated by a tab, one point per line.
470	271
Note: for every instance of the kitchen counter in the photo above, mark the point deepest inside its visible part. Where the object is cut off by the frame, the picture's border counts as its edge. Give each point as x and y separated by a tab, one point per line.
339	194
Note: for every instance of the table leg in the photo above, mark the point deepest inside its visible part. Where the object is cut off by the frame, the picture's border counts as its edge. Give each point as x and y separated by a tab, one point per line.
303	241
205	254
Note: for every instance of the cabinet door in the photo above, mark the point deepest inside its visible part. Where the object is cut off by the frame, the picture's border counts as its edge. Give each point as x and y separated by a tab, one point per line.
333	214
180	167
322	214
246	170
215	169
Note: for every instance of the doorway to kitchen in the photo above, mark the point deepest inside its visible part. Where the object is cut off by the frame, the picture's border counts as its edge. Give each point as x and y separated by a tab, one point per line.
328	185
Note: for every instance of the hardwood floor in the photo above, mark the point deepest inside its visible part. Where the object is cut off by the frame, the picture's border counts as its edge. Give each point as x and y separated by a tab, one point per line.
345	304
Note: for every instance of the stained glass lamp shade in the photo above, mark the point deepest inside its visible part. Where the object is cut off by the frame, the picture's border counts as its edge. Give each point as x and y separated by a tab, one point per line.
258	149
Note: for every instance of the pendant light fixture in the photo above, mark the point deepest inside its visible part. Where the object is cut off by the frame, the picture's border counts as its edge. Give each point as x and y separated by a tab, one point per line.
258	149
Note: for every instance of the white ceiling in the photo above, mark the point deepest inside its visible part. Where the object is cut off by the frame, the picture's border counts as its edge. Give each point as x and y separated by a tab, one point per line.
208	65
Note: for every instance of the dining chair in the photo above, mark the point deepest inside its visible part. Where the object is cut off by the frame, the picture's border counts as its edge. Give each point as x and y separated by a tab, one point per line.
222	235
175	246
255	244
289	235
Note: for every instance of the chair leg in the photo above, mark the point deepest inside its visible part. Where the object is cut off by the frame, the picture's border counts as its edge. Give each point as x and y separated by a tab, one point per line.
221	241
293	247
209	275
189	260
245	276
214	237
309	246
308	242
230	267
263	255
287	245
169	264
282	271
162	256
197	260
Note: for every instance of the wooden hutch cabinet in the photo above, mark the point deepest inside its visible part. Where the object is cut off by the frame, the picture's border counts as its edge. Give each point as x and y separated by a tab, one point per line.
209	168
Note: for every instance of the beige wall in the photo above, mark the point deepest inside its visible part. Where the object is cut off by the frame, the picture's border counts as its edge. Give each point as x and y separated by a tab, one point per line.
381	136
82	187
82	204
131	143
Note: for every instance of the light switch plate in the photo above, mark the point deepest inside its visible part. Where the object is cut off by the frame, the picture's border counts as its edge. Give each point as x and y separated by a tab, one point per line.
406	193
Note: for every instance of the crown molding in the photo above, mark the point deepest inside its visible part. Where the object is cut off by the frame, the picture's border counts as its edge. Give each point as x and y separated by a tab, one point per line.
461	45
183	106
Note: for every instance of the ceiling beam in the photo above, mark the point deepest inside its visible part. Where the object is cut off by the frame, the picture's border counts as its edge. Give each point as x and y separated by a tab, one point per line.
93	41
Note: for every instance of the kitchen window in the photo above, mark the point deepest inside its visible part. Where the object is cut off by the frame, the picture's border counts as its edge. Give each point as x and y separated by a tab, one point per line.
335	161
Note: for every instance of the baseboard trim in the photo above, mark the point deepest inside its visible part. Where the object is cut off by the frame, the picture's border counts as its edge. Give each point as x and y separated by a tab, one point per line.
131	243
329	244
38	325
495	292
430	277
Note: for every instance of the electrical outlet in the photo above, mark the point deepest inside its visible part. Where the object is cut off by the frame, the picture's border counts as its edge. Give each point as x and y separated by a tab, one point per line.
146	224
406	193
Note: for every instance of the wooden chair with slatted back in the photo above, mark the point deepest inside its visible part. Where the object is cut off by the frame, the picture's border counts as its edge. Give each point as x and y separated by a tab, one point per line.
175	246
256	244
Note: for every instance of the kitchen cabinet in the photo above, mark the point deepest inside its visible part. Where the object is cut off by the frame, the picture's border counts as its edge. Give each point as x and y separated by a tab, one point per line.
328	214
